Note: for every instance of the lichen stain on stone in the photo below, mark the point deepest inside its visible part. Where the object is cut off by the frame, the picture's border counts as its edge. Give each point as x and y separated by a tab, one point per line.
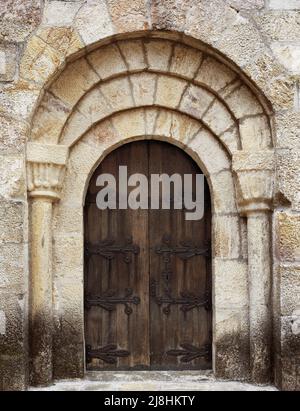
233	357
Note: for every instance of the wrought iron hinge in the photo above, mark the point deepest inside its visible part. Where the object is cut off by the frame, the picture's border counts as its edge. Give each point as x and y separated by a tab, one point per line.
109	249
109	300
189	352
108	354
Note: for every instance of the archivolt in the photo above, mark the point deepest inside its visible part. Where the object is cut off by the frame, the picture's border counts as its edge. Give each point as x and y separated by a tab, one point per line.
151	73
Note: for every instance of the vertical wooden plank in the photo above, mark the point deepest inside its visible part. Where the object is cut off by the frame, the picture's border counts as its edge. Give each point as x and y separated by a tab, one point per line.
169	332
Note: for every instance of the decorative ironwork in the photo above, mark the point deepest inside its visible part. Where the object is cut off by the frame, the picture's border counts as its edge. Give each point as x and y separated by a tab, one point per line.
108	354
185	251
109	249
187	300
189	352
108	301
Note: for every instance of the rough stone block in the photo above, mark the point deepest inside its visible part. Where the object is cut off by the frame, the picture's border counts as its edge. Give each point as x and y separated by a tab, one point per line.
11	222
287	236
18	99
13	360
218	118
169	91
288	55
19	18
196	101
169	15
39	61
223	193
13	267
12	181
151	115
227	243
60	13
283	5
246	4
79	73
290	342
134	54
102	136
118	94
158	54
242	41
185	61
210	152
94	107
243	103
75	127
12	135
289	289
232	343
129	16
67	219
63	39
255	133
107	62
129	125
68	256
231	283
287	129
13	376
183	128
143	88
163	123
49	119
288	175
8	62
279	25
93	21
214	74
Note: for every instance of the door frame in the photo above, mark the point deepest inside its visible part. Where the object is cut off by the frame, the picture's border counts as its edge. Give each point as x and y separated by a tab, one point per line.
222	258
147	152
230	246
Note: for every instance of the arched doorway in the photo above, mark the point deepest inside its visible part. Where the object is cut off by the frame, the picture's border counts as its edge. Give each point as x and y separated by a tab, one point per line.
147	271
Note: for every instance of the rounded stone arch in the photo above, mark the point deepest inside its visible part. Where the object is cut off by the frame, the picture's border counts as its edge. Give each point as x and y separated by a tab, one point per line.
221	120
152	72
230	35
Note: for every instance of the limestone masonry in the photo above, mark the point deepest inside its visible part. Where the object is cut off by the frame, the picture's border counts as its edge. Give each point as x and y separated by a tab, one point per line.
218	78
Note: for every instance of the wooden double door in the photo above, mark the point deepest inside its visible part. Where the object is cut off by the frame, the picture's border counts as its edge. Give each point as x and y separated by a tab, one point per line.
147	273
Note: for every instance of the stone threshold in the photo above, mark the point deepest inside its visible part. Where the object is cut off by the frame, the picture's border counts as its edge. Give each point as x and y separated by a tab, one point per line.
151	381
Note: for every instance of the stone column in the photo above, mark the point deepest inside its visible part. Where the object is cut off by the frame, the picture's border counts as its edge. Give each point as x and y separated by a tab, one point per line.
254	176
45	172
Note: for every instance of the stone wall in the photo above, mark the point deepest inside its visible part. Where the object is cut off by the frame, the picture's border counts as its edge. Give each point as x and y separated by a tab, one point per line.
37	38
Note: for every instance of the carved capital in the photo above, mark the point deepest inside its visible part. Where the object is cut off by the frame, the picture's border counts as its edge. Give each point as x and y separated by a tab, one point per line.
254	179
45	170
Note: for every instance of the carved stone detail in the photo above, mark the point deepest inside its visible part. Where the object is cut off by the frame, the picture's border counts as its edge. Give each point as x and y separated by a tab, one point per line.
254	178
45	170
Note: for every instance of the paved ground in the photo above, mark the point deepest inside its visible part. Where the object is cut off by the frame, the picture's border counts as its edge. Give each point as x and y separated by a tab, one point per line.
151	381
